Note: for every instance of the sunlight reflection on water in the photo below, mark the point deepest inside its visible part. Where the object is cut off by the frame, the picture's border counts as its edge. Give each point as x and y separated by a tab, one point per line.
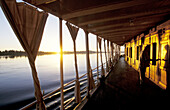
16	80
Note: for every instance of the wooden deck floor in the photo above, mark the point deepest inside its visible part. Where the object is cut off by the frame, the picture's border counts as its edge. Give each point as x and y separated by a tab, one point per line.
122	91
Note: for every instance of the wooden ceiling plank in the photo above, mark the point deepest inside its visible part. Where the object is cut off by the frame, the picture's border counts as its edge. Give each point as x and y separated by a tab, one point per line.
117	35
123	27
120	29
39	2
105	8
136	15
147	20
50	11
116	32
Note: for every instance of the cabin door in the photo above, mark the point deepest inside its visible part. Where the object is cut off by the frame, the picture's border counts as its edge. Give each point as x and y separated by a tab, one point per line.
147	42
164	57
154	66
163	63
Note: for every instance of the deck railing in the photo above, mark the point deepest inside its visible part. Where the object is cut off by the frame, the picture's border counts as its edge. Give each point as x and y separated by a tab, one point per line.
52	99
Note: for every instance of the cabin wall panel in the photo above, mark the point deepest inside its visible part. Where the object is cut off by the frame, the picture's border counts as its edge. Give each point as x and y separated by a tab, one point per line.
158	70
147	42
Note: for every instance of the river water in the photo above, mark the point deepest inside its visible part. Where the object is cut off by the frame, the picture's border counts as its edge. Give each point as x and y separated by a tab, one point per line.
16	84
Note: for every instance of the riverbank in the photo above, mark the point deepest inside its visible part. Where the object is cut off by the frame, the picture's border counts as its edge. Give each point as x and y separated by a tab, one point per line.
23	53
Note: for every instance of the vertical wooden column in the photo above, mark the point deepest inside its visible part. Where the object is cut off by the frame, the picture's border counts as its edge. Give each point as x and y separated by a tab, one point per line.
119	52
73	31
77	85
87	60
108	54
111	54
102	71
114	53
97	58
117	49
107	68
61	66
75	58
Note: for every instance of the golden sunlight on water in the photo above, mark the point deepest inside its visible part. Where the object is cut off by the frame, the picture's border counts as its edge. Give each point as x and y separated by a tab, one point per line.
16	82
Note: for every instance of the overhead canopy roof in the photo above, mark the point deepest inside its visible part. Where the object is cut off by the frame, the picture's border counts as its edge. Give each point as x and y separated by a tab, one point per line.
115	20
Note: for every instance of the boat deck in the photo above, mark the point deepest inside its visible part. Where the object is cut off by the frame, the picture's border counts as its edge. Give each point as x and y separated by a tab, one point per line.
121	91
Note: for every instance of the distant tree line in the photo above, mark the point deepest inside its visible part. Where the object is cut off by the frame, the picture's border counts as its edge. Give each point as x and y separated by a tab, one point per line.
12	52
23	53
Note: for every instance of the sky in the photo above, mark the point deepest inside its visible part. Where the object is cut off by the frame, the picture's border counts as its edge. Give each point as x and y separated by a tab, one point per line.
50	39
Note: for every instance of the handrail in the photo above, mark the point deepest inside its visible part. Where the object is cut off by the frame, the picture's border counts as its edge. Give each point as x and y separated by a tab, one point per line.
82	75
69	83
44	97
67	102
53	92
98	66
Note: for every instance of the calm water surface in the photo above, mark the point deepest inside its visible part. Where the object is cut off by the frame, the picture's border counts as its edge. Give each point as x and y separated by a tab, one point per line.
16	82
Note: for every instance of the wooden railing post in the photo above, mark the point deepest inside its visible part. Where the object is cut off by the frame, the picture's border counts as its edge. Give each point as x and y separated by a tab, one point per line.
97	59
111	54
116	57
87	61
107	68
61	66
91	84
73	31
108	55
114	52
119	52
102	71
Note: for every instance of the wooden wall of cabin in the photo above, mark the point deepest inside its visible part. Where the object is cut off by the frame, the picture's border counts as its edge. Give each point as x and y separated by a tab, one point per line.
127	56
137	52
163	76
159	41
132	56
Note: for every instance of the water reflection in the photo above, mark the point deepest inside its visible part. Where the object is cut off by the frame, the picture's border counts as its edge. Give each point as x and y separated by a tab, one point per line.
16	82
12	56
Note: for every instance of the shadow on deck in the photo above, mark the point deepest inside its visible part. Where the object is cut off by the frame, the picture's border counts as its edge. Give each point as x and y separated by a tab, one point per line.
121	91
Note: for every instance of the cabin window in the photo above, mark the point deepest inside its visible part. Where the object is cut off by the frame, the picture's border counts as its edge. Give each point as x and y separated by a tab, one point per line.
140	47
138	50
154	54
131	52
142	40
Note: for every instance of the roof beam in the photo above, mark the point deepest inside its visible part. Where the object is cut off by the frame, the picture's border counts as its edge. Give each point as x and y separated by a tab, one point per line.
115	39
118	42
111	39
123	26
111	34
106	26
101	9
123	35
117	32
50	10
39	2
120	29
140	21
134	15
